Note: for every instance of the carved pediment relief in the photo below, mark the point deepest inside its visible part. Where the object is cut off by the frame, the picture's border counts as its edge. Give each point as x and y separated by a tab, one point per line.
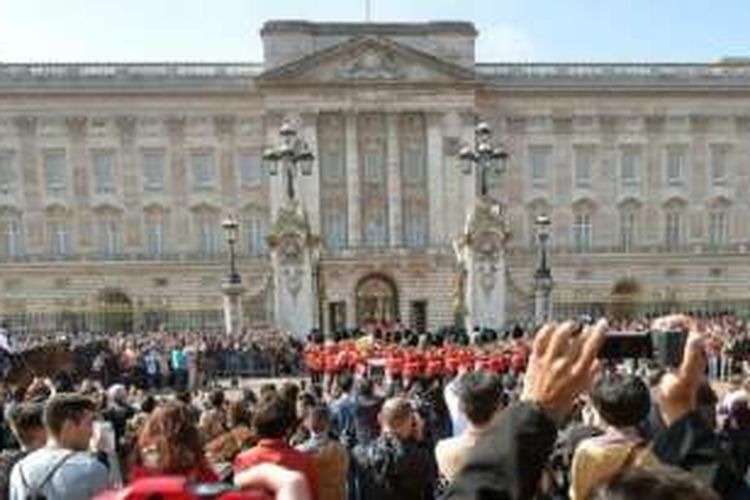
368	59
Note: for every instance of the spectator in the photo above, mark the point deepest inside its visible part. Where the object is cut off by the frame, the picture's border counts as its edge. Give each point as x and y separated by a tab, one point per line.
480	394
395	464
623	402
330	456
664	483
27	424
238	438
62	469
170	444
274	421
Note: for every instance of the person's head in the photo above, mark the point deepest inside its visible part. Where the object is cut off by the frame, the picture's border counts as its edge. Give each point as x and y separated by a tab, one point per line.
239	414
664	483
480	394
274	417
267	389
346	382
318	419
621	400
117	394
69	420
364	388
290	391
169	440
27	424
216	399
305	403
397	417
149	404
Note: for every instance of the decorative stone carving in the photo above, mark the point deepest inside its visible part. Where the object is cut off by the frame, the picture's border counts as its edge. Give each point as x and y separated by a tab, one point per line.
126	125
76	125
372	65
26	125
224	125
294	257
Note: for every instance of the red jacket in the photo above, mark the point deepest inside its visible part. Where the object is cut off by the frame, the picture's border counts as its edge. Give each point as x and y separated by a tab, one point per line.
277	451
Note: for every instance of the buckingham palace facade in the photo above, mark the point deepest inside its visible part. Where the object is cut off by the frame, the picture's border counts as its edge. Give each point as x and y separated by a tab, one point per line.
114	179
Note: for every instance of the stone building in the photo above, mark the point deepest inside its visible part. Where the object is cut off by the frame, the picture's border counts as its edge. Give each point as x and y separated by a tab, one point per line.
114	179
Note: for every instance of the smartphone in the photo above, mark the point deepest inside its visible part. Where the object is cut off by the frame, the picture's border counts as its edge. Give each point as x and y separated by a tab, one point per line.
669	345
627	345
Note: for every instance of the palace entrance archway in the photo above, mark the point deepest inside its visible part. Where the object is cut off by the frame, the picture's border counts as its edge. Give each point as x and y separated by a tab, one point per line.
115	311
624	298
377	300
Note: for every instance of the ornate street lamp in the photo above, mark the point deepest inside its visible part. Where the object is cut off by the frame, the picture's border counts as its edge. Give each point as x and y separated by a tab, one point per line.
485	157
543	276
292	156
231	229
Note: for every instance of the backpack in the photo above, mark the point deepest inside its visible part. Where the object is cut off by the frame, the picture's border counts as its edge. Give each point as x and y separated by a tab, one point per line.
35	492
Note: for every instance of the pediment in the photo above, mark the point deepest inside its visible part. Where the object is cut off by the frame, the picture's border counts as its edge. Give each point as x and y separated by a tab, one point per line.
368	59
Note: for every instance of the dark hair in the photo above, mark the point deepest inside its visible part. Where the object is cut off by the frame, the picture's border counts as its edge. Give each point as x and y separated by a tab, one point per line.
25	419
320	417
621	400
290	391
364	388
480	394
239	414
274	417
346	382
216	398
64	407
149	404
664	483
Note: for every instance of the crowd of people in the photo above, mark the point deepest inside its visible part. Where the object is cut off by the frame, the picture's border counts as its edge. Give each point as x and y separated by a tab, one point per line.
386	413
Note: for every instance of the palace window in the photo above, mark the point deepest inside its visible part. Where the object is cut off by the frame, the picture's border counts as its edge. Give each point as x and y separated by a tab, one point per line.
55	175
584	163
718	229
153	170
251	169
630	160
719	164
103	163
7	173
12	241
676	157
539	158
582	233
58	237
203	171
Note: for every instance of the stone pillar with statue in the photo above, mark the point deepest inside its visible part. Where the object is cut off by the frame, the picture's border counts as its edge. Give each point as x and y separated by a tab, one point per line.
294	248
480	252
480	249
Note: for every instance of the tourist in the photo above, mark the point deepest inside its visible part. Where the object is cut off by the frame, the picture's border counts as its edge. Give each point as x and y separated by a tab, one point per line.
63	469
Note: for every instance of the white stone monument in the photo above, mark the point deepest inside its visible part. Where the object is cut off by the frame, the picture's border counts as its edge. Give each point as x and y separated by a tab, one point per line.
294	257
480	251
232	293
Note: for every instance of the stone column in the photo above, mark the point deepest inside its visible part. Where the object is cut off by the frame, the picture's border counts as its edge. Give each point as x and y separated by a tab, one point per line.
179	184
32	184
126	168
224	129
308	186
232	305
395	195
80	179
435	178
352	181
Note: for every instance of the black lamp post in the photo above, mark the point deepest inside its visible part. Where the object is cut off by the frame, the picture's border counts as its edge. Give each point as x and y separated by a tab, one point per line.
543	282
231	229
484	156
292	156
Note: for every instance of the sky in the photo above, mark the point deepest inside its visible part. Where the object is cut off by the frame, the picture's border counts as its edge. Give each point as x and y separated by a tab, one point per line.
509	30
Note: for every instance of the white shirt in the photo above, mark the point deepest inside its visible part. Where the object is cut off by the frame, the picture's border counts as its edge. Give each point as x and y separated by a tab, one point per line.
5	343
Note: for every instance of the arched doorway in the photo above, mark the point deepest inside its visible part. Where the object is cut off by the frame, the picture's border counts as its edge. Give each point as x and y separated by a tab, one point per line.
377	300
624	298
115	311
